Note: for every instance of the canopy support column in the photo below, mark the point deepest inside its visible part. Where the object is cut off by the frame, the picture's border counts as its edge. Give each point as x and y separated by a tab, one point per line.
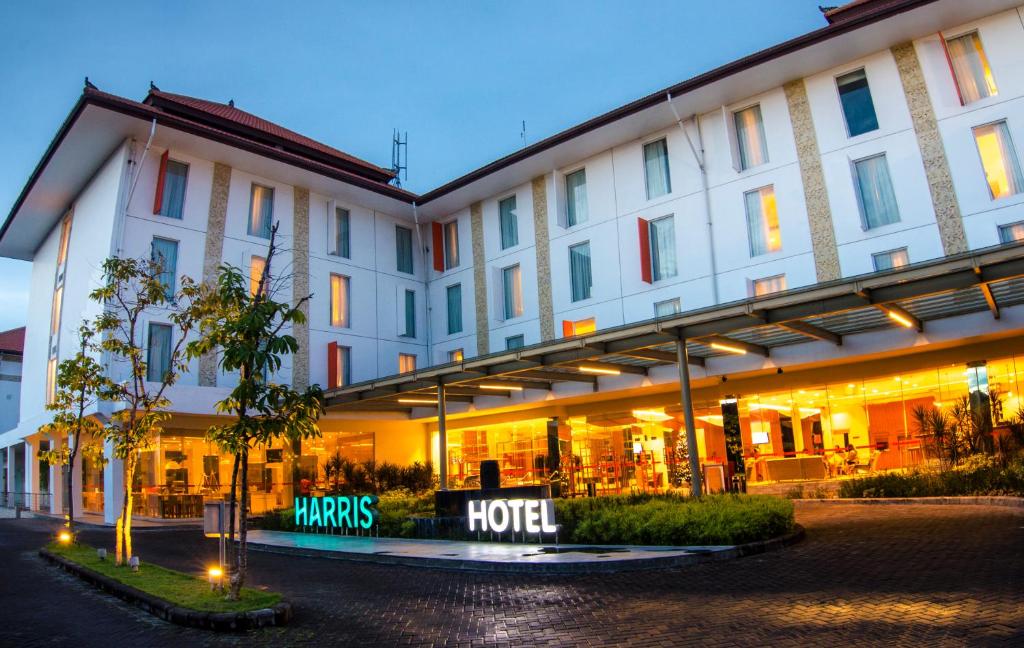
442	440
691	430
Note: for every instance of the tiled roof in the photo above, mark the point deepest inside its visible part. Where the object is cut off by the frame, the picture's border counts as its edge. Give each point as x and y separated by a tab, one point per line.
13	341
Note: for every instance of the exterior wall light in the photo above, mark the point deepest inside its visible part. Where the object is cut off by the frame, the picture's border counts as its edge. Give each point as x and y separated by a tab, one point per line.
501	387
418	401
900	319
604	371
728	348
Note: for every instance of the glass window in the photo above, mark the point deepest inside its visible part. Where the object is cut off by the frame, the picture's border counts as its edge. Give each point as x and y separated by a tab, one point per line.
999	160
750	141
165	253
406	362
769	285
51	379
410	314
576	197
454	309
579	271
891	259
875	193
858	108
512	292
663	248
578	327
65	235
514	342
342	233
344	366
256	266
656	171
508	222
1011	233
58	298
762	221
971	71
667	307
403	248
339	301
455	355
158	358
175	177
451	245
261	211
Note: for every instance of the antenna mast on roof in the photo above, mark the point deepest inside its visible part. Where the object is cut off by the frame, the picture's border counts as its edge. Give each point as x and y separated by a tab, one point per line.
522	133
399	156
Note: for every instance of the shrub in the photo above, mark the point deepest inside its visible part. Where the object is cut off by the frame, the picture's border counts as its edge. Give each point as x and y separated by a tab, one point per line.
978	475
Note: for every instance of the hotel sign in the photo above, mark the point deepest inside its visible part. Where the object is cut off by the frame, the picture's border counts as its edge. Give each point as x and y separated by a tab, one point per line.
516	515
336	511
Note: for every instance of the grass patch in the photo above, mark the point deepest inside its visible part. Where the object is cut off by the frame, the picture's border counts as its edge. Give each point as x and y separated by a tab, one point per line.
976	476
177	587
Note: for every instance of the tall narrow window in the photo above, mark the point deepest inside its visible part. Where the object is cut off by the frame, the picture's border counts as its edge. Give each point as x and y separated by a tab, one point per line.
512	292
51	379
158	356
875	193
451	245
581	280
750	140
340	301
1011	233
165	253
656	173
999	160
342	244
762	221
769	285
666	308
456	355
344	366
971	71
58	298
889	260
454	309
663	248
261	211
256	266
410	314
406	362
65	236
576	198
172	188
508	222
403	248
515	342
858	108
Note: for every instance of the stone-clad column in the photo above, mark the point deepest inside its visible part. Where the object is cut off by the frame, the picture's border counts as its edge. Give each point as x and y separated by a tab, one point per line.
476	222
933	155
819	214
300	285
214	253
543	250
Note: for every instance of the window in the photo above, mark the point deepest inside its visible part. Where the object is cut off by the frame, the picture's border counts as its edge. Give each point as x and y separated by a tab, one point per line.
750	140
261	211
663	248
579	327
508	223
889	260
58	298
858	108
1011	233
339	301
170	188
256	267
456	355
512	292
410	314
581	280
656	173
667	307
514	342
406	362
576	198
454	309
339	365
998	159
451	245
341	245
769	285
403	248
164	253
65	235
158	358
874	192
762	221
971	72
51	379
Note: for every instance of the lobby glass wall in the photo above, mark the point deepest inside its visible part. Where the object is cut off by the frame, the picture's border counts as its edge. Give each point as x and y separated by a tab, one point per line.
520	448
316	466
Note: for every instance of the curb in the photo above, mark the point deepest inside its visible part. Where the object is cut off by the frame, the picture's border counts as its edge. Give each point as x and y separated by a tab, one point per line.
642	564
967	500
278	615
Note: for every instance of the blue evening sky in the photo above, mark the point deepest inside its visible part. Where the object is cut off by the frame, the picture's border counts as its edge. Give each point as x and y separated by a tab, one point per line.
458	76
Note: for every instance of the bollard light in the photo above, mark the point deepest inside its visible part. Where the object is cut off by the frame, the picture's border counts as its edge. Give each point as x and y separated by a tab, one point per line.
133	562
64	537
214	574
101	554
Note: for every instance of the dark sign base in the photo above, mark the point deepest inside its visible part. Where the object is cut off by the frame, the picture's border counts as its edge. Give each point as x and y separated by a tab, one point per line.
453	503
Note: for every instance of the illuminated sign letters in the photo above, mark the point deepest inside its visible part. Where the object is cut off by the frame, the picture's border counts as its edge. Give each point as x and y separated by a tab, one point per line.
530	515
336	511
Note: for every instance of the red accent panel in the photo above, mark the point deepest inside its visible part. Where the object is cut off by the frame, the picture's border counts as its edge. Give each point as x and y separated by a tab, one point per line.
949	62
438	236
645	250
332	365
158	199
568	328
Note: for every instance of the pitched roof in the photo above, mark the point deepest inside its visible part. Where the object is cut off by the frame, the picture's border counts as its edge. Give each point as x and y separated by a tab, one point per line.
13	341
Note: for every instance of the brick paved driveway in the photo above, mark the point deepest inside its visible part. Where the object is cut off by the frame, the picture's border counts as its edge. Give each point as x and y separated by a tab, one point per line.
878	575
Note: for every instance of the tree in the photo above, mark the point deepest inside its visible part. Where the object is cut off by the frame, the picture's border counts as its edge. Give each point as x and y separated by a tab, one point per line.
134	290
245	327
81	384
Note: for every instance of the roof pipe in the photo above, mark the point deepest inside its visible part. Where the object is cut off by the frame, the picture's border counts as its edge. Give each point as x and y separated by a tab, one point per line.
699	158
426	279
123	212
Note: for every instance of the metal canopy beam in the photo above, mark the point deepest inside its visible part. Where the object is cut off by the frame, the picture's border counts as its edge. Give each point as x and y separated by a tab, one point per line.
653	354
607	367
722	325
986	291
639	342
901	317
522	384
572	355
554	376
727	344
810	330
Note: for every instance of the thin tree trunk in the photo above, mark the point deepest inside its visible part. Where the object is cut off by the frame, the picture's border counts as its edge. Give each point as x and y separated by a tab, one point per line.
238	577
130	477
232	506
70	486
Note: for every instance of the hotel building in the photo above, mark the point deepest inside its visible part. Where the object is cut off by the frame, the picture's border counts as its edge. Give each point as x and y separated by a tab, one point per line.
826	233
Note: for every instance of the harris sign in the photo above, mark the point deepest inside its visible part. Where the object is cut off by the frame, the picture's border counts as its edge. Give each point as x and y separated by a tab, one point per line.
336	511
